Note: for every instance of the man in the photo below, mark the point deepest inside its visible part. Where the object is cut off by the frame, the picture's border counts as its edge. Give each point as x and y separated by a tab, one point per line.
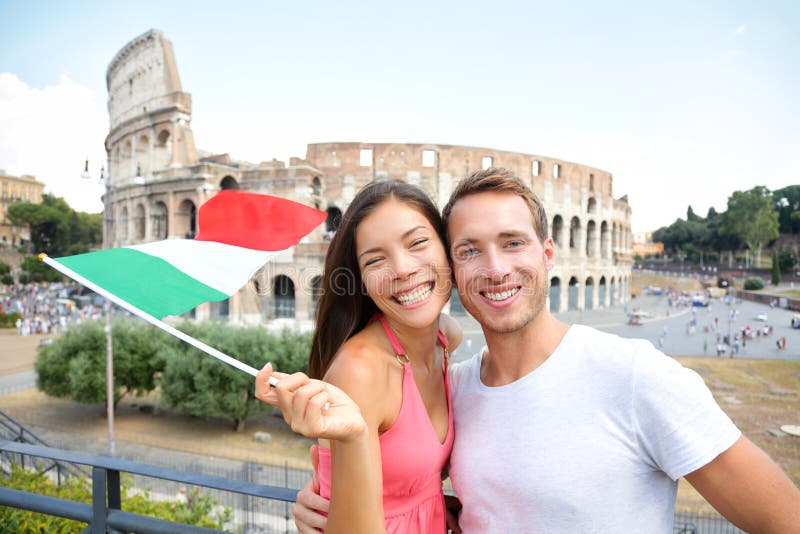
568	429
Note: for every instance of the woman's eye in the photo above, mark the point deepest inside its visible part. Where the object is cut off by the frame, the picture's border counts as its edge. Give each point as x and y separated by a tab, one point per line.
419	242
371	261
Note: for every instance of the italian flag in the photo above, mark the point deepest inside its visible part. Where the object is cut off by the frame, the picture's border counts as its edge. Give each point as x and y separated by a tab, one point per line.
238	233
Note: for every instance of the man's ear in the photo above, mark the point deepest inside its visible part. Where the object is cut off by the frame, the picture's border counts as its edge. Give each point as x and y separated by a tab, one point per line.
549	253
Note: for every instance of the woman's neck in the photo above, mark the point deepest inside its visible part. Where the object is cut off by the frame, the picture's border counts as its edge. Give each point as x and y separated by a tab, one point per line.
419	343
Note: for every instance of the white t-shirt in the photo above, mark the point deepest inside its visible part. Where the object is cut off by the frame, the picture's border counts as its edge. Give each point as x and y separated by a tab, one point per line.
593	440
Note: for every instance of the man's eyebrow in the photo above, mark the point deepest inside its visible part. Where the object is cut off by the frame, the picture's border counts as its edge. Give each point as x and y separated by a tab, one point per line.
404	236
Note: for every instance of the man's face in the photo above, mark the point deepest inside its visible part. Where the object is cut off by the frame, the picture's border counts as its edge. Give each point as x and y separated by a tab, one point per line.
499	263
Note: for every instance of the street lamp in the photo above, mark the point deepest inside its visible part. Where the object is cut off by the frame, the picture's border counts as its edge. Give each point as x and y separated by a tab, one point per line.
104	180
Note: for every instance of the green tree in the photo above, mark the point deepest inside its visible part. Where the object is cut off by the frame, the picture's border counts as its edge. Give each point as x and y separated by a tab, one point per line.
38	271
56	228
691	215
74	365
776	269
199	385
751	219
787	202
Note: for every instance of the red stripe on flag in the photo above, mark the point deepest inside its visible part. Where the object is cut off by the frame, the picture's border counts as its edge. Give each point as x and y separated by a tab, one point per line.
259	222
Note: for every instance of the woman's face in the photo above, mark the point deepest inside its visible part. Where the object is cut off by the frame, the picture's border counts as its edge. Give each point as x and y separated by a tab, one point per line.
403	264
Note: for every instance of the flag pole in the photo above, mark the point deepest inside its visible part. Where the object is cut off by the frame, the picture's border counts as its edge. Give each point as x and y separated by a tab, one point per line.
152	320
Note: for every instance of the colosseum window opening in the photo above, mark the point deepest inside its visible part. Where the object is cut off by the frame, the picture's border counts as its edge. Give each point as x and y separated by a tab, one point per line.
536	167
572	294
556	170
163	137
365	157
555	294
316	187
283	301
558	230
574	229
428	158
604	240
229	182
159	221
591	182
591	205
486	162
588	297
332	221
591	238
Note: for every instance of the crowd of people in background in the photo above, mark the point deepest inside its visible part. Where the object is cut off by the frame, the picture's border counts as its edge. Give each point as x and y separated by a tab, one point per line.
46	308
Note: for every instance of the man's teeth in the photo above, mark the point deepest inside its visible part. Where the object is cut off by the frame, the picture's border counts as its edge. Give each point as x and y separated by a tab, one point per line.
412	297
502	295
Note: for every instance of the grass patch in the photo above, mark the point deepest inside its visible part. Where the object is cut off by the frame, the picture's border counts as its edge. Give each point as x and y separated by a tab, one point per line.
755	407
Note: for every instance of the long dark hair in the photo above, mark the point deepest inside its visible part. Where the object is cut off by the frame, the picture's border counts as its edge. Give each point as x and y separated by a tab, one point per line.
344	308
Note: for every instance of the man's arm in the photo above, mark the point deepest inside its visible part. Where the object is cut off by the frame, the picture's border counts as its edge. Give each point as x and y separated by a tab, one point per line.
746	487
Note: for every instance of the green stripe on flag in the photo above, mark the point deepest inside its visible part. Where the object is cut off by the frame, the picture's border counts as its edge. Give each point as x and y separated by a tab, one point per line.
148	282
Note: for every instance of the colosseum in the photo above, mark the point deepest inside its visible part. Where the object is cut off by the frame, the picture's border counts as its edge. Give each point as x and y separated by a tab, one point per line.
158	178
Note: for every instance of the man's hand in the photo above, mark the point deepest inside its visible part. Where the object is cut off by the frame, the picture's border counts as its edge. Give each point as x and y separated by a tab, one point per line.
452	508
307	516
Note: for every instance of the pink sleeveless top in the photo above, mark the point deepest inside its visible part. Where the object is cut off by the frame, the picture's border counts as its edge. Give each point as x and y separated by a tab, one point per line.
412	458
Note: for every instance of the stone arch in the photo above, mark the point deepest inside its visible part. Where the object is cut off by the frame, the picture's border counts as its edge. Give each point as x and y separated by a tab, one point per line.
591	239
604	240
163	138
159	218
162	152
316	187
186	219
591	205
333	220
555	294
142	159
601	297
228	182
282	296
572	294
123	226
558	230
574	233
139	223
588	295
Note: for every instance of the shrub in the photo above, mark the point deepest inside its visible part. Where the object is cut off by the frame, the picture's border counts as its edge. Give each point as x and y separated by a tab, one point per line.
200	385
753	284
74	365
7	279
9	320
197	511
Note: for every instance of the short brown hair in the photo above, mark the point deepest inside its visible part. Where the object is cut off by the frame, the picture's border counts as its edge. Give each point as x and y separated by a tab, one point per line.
500	180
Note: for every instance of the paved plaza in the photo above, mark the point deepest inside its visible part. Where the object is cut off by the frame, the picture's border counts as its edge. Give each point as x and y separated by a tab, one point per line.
672	326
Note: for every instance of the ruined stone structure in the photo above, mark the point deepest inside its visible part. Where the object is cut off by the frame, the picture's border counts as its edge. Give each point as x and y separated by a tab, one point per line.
15	189
158	179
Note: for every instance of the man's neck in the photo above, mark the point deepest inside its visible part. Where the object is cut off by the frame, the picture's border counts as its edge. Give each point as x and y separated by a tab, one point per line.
516	354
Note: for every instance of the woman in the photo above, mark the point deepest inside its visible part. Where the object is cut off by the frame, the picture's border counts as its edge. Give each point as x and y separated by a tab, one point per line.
381	341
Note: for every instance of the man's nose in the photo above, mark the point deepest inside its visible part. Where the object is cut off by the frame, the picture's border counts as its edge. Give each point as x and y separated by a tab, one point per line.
496	266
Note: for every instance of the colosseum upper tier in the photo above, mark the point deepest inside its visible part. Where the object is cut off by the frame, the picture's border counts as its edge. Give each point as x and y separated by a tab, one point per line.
157	180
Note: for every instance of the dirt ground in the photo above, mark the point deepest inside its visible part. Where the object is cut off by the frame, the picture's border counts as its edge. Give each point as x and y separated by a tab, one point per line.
17	353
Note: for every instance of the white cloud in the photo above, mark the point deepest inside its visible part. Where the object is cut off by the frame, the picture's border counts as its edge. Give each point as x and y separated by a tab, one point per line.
49	132
740	30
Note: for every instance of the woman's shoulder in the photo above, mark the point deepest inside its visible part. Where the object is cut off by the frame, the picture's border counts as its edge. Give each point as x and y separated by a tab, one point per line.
361	360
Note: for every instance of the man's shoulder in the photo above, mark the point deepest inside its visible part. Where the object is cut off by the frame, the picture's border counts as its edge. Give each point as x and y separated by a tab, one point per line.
459	371
610	348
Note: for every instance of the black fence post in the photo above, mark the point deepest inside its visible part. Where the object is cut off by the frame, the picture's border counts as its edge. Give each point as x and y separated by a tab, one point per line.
99	508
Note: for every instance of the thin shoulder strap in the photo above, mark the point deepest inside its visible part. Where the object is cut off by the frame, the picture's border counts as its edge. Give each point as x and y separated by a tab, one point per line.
396	346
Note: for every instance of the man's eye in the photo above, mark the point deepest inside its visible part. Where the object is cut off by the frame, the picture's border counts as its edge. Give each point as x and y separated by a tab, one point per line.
464	253
514	244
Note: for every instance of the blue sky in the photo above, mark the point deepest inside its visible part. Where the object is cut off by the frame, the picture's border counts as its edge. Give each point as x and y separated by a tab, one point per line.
683	102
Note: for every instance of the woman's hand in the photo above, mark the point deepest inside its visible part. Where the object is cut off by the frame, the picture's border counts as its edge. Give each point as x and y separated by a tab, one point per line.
313	408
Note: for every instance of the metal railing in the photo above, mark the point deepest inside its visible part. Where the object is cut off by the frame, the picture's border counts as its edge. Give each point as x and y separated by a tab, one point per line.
105	512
